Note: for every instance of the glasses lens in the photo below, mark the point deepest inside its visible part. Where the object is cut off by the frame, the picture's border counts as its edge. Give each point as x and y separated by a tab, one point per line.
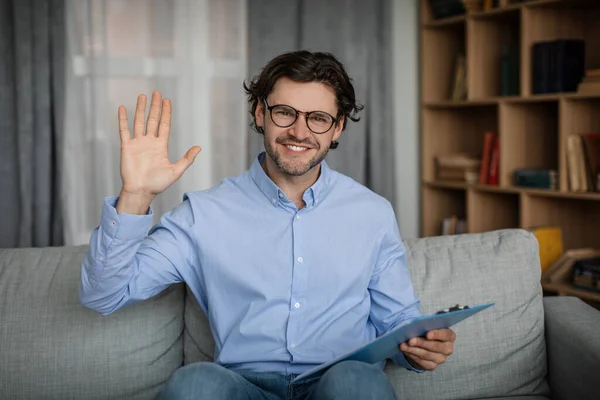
320	122
283	115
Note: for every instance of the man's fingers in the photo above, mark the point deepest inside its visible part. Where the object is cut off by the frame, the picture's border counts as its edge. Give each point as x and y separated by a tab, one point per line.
424	354
123	126
138	121
154	114
443	335
424	364
435	346
185	161
164	126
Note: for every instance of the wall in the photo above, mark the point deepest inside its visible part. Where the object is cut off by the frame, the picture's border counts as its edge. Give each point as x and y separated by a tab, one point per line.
406	96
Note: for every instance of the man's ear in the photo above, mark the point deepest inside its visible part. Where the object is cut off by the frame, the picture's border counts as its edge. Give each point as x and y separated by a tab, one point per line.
259	114
338	128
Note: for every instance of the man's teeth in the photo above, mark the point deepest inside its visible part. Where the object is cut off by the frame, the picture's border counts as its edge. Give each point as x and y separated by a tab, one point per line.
296	148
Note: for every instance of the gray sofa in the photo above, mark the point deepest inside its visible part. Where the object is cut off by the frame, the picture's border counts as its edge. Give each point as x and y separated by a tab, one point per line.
526	345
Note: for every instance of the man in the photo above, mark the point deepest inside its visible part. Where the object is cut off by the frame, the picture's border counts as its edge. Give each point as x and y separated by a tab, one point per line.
293	263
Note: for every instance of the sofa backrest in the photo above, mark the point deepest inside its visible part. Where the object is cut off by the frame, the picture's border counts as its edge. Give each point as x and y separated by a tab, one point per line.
53	348
499	352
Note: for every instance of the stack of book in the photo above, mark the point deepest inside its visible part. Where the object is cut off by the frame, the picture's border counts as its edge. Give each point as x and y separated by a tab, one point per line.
590	82
460	167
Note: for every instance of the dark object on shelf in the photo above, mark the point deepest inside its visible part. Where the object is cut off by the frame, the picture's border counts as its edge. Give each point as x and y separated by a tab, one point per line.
446	8
536	178
557	66
510	64
586	274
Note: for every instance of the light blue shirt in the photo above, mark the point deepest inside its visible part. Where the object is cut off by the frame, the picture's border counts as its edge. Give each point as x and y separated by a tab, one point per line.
284	289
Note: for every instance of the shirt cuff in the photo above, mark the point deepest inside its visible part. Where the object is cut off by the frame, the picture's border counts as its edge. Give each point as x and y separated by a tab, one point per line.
400	360
124	226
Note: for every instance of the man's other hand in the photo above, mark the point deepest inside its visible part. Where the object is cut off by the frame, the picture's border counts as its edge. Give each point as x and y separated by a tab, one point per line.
430	351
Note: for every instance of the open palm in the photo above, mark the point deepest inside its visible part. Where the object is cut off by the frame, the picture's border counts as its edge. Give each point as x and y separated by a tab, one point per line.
145	166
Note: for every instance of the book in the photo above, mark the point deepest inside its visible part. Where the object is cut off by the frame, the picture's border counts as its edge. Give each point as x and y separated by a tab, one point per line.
557	65
386	345
550	243
541	178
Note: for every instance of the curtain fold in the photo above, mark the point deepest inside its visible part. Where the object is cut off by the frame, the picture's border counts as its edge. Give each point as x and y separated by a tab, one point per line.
31	71
358	34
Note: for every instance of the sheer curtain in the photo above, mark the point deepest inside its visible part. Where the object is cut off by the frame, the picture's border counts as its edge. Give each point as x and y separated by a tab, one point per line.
193	51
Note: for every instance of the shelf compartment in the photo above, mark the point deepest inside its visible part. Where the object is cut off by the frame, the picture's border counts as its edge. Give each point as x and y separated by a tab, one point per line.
578	218
529	133
454	130
441	47
563	20
493	52
438	204
578	115
488	211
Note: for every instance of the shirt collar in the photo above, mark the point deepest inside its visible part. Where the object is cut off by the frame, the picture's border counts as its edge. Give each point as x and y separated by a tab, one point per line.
312	196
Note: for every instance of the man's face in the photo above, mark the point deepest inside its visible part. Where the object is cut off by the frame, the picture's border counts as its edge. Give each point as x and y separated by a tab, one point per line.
296	149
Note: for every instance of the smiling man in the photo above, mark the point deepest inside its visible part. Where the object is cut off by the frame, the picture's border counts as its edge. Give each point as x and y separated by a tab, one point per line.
293	263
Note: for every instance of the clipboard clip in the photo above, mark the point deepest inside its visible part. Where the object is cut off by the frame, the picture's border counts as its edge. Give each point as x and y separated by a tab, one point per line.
456	307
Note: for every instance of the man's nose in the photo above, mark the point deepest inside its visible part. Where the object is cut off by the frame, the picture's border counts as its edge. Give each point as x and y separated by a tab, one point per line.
300	129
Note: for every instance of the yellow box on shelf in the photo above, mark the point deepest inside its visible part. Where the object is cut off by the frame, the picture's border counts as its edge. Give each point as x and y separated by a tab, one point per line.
550	243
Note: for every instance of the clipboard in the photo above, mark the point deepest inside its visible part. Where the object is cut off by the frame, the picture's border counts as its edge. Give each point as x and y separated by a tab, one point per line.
386	345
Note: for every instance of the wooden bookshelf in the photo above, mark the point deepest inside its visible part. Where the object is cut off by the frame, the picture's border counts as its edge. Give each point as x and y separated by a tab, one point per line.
532	129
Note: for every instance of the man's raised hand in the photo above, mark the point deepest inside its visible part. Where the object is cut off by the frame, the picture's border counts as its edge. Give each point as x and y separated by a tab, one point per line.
145	167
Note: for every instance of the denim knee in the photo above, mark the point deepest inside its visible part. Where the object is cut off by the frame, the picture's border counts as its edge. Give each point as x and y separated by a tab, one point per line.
354	380
202	380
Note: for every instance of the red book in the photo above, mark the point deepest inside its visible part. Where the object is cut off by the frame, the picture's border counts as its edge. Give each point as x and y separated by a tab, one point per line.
485	157
494	163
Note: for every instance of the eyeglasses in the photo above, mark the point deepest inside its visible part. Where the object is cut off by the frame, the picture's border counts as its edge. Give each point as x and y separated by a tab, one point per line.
285	116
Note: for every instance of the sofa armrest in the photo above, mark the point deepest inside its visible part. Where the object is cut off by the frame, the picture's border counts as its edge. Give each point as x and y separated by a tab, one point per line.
573	348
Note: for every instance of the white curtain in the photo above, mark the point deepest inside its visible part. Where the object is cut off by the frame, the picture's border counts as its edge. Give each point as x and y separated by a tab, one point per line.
194	52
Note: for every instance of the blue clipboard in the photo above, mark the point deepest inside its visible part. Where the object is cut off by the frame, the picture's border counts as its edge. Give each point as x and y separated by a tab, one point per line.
386	346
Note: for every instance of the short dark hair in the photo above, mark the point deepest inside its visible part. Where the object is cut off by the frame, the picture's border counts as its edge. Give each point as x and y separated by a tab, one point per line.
306	66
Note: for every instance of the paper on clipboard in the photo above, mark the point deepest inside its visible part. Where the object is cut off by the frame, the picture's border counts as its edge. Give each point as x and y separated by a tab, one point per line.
386	346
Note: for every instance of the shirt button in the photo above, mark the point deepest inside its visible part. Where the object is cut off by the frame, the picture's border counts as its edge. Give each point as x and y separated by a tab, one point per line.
292	345
297	216
280	194
113	223
297	305
274	201
300	259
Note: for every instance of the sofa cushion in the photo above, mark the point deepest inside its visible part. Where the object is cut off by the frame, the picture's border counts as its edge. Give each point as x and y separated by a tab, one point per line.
500	351
53	348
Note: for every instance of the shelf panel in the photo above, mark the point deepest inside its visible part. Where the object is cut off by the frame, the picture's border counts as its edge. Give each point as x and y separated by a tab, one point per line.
488	211
537	98
578	218
457	185
530	131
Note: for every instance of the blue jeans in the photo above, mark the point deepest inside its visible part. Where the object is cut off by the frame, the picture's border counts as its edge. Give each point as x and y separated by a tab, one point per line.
346	380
